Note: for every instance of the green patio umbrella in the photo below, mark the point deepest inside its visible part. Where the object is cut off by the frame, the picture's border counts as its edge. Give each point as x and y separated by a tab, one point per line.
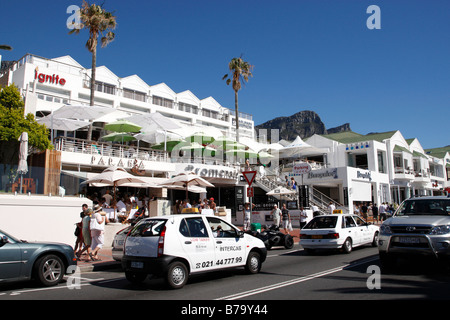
170	145
122	126
118	137
200	136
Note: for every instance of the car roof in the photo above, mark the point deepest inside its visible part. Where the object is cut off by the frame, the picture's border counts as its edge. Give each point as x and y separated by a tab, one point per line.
430	198
178	216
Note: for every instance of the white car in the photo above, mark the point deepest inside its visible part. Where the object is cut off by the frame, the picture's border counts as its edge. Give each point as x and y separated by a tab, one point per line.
118	242
179	245
338	231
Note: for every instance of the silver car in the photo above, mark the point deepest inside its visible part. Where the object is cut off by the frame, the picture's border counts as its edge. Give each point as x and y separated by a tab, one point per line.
45	262
420	226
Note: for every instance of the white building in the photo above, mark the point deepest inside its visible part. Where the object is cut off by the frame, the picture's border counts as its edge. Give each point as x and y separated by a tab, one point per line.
376	168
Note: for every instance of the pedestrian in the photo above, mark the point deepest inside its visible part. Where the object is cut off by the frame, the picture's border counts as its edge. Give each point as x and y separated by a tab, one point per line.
331	207
293	183
79	231
375	212
86	234
285	219
315	210
276	213
247	216
97	225
303	217
364	210
382	212
212	205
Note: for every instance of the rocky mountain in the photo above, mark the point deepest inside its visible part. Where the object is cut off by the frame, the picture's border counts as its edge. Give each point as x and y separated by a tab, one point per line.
304	124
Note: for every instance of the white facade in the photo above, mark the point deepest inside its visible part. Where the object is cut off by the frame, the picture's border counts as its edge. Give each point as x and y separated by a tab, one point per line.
377	168
47	84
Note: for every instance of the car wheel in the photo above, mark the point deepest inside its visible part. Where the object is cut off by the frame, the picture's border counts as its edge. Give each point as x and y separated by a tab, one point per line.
347	246
288	242
49	270
253	264
375	240
135	277
177	275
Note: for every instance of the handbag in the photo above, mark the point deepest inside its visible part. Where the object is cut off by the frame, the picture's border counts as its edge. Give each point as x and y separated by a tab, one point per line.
290	226
95	225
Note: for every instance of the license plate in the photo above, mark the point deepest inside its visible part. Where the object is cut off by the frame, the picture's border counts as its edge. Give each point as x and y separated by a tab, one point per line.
137	264
316	237
408	240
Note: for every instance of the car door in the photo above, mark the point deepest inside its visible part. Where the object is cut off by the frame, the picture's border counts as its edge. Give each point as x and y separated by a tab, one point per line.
351	230
10	258
230	248
364	230
197	243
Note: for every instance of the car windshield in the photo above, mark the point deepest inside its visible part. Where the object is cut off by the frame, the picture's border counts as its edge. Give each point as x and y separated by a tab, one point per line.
323	222
148	228
424	207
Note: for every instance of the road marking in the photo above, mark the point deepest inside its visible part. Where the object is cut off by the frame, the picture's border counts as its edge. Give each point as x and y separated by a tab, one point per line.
293	281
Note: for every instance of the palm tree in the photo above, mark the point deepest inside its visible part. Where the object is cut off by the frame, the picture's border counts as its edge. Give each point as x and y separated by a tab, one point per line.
5	47
240	71
99	22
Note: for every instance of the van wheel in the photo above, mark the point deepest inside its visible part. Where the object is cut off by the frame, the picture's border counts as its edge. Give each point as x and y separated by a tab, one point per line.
135	277
177	275
347	246
253	263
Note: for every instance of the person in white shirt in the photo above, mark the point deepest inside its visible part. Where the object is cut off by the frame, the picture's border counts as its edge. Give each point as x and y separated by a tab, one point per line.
276	213
331	208
107	197
303	217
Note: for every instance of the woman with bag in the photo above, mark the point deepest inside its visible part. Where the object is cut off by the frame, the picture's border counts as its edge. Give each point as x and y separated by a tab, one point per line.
97	226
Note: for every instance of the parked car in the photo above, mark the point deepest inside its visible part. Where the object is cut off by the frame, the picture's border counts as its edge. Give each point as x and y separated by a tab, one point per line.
118	242
419	227
180	245
338	231
45	262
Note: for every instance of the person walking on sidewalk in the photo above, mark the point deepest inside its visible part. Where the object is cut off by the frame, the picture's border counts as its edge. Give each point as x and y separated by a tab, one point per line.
97	226
285	219
276	213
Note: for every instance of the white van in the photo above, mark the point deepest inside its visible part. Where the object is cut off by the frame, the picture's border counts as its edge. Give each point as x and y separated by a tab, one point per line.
178	245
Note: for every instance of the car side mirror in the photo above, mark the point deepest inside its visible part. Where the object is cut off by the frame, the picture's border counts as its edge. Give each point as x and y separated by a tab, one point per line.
4	240
241	234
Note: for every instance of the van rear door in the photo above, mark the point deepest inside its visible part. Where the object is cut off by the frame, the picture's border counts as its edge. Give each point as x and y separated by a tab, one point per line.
144	238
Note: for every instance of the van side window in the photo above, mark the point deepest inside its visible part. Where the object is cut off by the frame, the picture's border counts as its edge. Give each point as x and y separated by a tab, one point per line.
193	228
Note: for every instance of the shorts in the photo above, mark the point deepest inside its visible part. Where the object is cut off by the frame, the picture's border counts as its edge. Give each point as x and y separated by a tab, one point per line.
285	223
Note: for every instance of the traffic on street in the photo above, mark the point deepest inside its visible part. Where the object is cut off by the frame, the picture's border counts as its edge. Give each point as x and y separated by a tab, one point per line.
287	274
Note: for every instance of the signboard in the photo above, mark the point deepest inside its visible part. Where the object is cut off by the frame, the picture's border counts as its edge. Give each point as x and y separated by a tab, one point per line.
249	176
301	168
250	192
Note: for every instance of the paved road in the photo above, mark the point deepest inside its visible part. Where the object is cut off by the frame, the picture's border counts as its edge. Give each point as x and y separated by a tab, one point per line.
286	275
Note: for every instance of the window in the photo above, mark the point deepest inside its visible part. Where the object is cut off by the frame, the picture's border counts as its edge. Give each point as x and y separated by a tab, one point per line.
159	101
105	87
381	167
349	222
324	222
135	95
193	228
221	229
149	228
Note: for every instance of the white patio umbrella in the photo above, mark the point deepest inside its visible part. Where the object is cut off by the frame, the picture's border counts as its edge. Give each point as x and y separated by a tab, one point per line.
281	191
299	147
23	155
62	124
114	177
81	112
151	122
186	180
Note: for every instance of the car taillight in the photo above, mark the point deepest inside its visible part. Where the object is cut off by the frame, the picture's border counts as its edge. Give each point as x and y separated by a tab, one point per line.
332	236
161	242
304	236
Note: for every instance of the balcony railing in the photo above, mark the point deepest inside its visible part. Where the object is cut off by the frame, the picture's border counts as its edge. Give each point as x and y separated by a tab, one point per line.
108	149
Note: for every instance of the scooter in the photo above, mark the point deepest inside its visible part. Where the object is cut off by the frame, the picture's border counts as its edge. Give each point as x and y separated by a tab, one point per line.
272	236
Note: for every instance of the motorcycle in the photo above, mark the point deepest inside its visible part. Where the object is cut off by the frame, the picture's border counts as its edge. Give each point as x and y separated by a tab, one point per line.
272	236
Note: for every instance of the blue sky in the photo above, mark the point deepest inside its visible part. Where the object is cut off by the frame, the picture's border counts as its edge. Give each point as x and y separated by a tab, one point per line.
314	55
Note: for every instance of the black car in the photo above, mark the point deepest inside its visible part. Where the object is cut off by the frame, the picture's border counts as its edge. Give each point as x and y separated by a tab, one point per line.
46	263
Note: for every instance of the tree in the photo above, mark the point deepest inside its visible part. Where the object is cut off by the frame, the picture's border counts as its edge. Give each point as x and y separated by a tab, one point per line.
13	123
240	71
100	23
